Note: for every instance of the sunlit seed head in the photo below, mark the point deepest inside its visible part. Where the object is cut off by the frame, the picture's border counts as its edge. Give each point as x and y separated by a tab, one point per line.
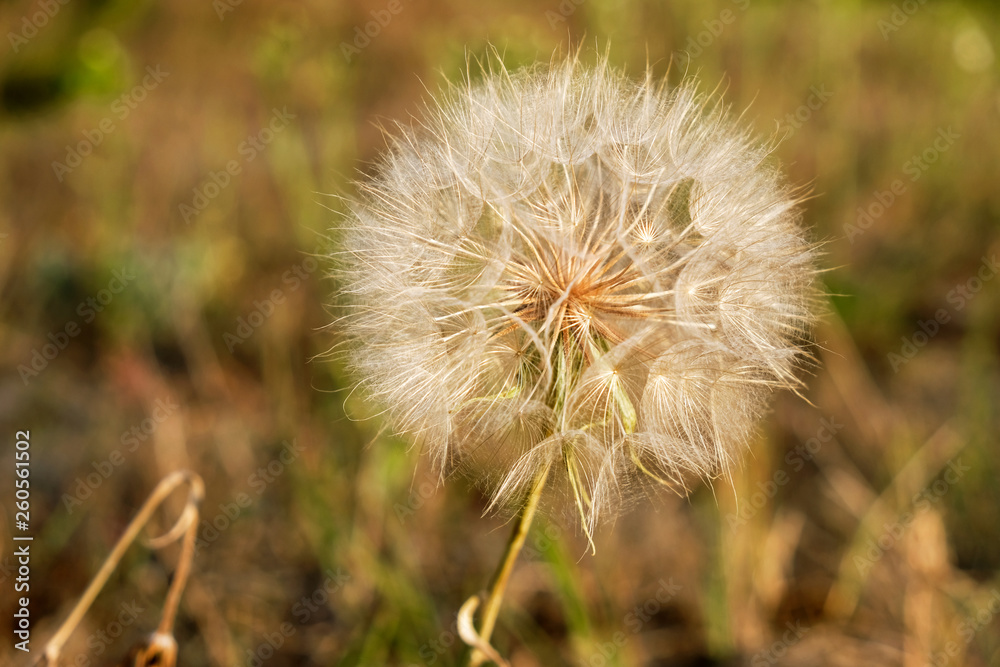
560	267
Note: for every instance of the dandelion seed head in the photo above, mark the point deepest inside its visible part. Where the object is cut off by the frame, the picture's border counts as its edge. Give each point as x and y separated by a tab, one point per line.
563	267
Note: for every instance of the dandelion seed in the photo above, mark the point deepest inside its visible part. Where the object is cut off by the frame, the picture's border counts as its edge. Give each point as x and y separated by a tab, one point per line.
564	279
561	267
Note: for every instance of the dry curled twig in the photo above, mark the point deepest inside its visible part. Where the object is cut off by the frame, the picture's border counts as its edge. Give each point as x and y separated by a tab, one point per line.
160	648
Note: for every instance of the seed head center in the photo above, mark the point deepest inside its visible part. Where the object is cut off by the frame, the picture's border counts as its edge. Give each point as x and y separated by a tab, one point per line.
579	297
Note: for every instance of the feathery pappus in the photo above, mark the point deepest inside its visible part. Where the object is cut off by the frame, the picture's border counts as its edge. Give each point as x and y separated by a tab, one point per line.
561	269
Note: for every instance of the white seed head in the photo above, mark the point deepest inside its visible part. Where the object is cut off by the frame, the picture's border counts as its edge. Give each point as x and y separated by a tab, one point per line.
562	268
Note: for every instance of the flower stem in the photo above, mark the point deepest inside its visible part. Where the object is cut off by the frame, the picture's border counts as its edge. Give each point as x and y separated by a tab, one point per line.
499	583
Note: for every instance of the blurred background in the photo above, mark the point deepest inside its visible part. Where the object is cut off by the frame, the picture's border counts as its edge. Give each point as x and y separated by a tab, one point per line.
168	182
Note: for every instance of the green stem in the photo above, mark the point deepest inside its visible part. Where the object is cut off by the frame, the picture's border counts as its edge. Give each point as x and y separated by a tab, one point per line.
502	575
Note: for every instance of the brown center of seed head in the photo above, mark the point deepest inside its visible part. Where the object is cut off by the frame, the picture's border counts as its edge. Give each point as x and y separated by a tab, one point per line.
577	296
